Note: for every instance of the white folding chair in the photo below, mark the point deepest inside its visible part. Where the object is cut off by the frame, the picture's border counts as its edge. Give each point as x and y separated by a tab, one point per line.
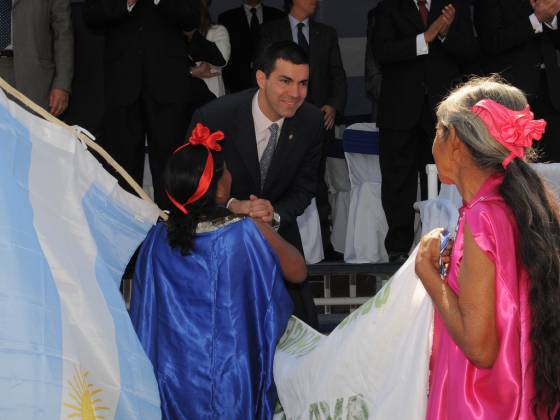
367	225
310	232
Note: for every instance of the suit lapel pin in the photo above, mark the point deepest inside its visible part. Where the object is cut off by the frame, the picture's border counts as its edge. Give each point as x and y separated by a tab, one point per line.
290	137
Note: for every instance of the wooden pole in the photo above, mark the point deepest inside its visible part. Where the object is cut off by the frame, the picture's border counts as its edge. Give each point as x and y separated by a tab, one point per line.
81	136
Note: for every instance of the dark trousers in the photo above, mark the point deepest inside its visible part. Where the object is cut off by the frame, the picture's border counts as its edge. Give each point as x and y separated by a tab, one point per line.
304	307
127	128
403	155
549	145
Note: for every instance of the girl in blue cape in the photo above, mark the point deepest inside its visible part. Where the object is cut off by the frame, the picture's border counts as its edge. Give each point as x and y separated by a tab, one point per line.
209	302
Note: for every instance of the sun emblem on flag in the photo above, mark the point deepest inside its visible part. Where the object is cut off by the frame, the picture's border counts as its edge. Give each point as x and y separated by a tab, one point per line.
86	399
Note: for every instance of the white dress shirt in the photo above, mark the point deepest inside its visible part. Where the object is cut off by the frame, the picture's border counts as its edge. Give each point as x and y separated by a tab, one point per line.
538	26
421	44
259	9
294	23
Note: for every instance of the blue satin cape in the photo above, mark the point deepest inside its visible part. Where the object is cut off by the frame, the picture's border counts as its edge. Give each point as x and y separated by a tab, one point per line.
210	321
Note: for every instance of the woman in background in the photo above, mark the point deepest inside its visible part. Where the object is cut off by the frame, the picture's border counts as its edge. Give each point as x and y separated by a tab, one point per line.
209	301
496	348
210	49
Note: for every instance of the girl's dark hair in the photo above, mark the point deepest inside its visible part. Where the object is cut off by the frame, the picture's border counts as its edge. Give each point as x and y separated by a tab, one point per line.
181	177
205	19
538	223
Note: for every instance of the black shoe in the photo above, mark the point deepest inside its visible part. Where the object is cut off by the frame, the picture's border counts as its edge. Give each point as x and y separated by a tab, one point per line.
398	257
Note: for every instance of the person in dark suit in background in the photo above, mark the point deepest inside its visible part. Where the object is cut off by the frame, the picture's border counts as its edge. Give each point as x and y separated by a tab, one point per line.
243	24
520	40
146	80
372	71
272	147
37	50
327	80
419	45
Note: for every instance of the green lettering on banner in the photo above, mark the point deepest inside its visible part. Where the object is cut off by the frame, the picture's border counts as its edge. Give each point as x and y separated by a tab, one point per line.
356	409
378	301
298	340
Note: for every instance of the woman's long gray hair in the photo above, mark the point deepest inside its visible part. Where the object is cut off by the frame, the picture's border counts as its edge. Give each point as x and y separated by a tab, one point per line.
537	218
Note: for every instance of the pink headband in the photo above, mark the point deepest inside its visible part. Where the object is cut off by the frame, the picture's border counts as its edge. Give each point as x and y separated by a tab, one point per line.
515	130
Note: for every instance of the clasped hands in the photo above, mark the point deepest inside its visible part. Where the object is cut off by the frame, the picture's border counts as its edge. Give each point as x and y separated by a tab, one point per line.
257	208
440	26
545	10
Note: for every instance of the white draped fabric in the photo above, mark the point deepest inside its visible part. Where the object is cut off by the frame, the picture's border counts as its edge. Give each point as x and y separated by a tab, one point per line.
374	365
310	232
338	183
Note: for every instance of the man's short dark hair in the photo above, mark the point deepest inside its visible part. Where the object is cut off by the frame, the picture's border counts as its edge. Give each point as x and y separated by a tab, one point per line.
286	50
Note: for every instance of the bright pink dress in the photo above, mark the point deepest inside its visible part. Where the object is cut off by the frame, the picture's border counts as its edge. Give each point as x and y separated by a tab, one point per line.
458	389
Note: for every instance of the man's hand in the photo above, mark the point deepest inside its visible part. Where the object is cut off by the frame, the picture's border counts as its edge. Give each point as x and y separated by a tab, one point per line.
260	209
256	208
545	10
434	29
447	15
329	114
58	101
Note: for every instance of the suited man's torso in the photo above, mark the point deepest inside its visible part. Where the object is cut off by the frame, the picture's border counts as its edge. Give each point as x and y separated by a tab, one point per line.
145	52
34	46
409	78
238	74
520	61
298	136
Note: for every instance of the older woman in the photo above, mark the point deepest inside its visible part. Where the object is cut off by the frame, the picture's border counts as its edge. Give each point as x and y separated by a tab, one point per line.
496	349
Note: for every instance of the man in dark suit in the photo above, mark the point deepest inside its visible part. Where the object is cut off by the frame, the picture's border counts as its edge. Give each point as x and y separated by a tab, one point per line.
146	80
419	46
327	80
521	41
272	148
243	24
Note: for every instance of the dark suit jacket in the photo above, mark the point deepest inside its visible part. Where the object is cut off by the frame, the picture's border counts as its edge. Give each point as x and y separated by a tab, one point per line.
292	177
145	49
512	48
407	78
327	78
238	74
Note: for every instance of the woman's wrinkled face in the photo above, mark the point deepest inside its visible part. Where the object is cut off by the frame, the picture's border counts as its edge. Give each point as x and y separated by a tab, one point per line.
443	156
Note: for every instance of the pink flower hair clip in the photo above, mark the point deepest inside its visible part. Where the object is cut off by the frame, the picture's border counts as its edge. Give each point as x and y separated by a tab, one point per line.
515	130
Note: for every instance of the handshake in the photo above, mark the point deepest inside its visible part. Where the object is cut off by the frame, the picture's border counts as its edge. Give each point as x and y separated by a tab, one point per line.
258	209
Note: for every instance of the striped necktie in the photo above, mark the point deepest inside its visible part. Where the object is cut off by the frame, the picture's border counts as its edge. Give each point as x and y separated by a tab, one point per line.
266	157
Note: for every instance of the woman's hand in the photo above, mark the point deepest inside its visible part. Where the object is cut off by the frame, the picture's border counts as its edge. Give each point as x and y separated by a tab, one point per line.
203	70
428	257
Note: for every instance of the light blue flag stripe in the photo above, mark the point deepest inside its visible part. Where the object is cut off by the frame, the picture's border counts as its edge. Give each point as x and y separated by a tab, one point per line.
110	226
91	242
30	333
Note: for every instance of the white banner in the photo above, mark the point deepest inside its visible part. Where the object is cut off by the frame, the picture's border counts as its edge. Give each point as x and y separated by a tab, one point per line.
374	365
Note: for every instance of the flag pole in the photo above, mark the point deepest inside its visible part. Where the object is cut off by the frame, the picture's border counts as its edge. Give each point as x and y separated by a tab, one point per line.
81	136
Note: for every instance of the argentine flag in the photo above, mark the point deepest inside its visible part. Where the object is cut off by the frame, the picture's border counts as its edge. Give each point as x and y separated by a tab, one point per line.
67	346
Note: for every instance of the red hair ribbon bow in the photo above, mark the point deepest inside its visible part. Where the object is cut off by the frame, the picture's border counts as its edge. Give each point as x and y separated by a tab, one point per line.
201	136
